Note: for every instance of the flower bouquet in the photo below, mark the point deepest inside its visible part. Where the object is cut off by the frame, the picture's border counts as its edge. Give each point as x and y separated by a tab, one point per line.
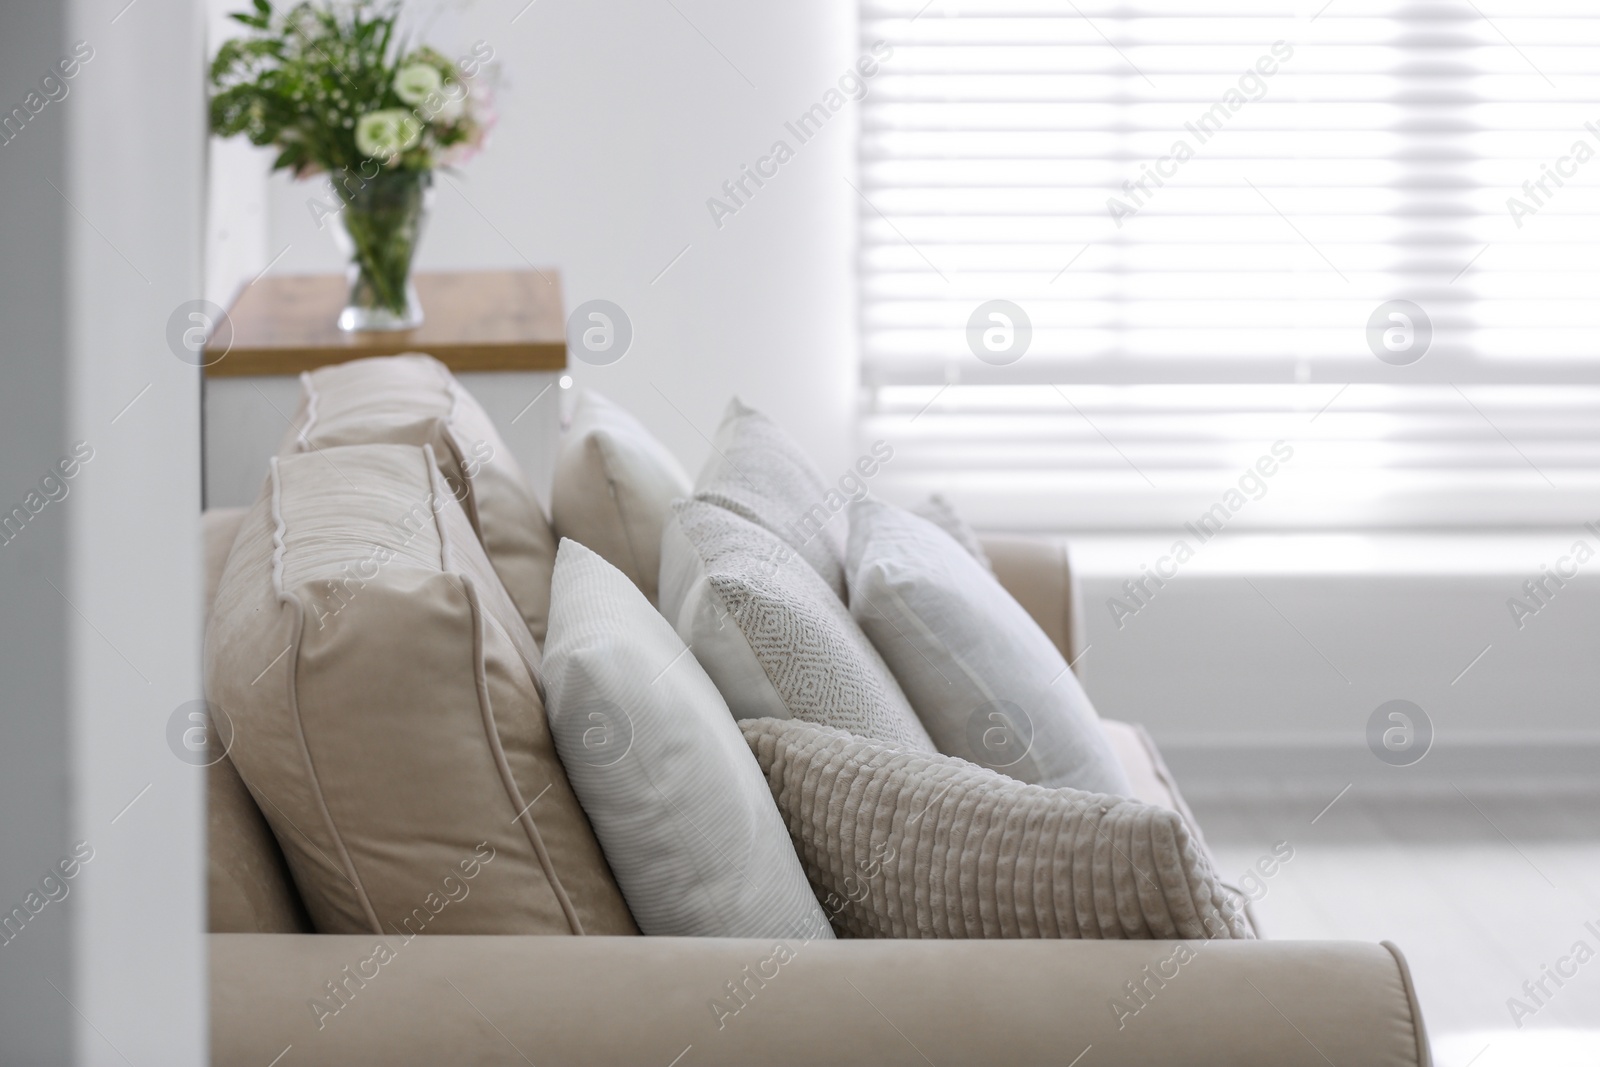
331	87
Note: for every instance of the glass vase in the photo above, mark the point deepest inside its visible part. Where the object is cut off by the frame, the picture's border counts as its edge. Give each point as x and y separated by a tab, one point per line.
379	227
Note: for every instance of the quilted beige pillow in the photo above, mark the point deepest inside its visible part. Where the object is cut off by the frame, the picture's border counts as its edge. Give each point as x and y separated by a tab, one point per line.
614	483
770	633
904	844
387	711
415	400
759	473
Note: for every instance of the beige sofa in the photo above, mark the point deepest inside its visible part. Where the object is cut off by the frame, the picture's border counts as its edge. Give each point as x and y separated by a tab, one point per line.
283	995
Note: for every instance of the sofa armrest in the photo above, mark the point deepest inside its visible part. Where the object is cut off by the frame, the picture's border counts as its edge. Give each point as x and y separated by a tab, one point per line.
700	1001
1037	571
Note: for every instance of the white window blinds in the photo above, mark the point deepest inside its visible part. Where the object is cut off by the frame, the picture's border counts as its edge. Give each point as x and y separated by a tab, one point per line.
1367	230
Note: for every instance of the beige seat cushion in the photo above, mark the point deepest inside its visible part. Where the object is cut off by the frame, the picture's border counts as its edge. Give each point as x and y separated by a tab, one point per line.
902	844
770	632
415	400
387	713
614	483
758	472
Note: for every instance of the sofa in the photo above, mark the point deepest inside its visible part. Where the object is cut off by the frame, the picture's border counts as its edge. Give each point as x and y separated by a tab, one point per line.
507	999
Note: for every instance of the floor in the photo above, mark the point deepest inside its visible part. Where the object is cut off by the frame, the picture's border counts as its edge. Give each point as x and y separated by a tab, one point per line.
1480	891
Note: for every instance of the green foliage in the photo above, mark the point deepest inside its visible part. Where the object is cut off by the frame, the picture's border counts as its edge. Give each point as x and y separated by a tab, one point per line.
306	75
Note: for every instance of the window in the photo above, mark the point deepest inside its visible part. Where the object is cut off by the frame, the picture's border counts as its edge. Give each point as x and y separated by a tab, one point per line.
1368	231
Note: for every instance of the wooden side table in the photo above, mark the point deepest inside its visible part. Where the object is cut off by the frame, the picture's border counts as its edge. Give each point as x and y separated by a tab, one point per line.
503	333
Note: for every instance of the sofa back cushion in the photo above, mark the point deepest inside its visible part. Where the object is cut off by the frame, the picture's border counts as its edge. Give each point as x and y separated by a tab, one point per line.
614	485
387	714
415	400
248	888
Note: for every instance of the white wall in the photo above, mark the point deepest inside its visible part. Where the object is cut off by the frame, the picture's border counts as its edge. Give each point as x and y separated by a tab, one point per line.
1265	655
617	120
100	237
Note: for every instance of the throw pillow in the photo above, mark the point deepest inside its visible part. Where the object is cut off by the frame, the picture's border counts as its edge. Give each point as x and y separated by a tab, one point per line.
386	710
901	844
759	473
613	485
667	781
415	400
771	633
986	682
937	510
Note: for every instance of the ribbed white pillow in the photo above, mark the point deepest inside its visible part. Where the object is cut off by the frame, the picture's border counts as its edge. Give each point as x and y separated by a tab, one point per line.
986	682
677	800
771	634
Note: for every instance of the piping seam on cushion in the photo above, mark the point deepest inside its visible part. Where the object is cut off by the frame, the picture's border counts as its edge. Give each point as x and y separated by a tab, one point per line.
1419	1029
351	875
492	735
277	529
435	505
303	438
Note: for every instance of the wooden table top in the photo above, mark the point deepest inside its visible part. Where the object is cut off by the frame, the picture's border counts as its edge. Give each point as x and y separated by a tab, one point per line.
472	321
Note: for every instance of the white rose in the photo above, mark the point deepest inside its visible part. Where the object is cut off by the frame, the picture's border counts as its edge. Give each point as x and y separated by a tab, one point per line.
415	83
385	134
452	101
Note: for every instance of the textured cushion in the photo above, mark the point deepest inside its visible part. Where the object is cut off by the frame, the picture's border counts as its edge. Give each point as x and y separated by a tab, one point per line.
937	510
900	844
613	485
986	682
387	714
770	633
415	400
667	781
759	473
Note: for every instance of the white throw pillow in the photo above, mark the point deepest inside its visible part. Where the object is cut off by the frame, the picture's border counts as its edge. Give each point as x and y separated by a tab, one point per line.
771	634
937	510
759	473
672	790
987	683
614	483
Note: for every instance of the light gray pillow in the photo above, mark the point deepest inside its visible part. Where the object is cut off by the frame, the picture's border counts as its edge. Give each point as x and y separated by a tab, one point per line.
771	634
901	844
613	485
986	682
675	797
759	473
939	511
